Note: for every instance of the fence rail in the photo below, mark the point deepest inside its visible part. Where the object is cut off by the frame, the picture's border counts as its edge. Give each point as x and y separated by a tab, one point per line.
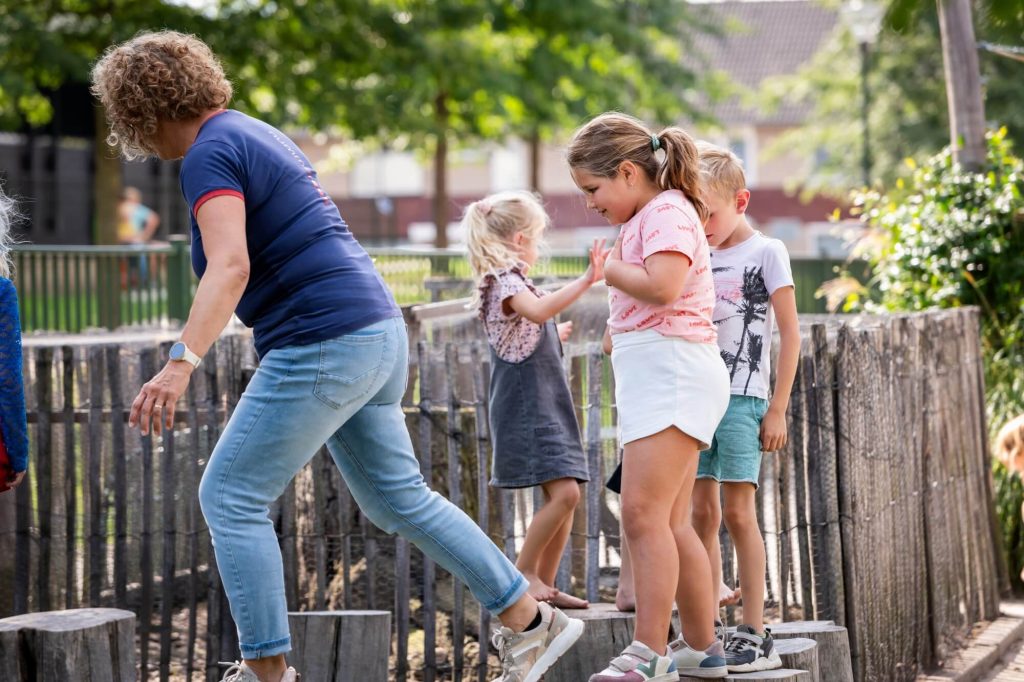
878	514
73	288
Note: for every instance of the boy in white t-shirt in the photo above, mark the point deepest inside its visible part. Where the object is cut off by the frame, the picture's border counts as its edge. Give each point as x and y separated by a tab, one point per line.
753	285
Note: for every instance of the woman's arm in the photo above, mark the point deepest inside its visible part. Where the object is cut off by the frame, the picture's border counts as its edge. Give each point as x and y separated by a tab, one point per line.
773	427
222	225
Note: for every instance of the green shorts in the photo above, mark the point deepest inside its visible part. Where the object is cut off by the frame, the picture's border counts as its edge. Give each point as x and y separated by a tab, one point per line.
735	452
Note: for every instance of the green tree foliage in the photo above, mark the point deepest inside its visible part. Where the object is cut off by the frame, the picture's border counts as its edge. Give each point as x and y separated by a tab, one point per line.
908	116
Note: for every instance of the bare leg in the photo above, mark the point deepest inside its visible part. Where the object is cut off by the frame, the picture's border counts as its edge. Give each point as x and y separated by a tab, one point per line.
694	597
544	526
657	480
269	669
625	595
741	520
551	555
707	519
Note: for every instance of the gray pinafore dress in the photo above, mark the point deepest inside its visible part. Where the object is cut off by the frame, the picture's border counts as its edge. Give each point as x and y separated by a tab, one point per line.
533	424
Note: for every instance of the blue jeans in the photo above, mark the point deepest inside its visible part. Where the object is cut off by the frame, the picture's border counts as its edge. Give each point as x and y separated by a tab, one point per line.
344	392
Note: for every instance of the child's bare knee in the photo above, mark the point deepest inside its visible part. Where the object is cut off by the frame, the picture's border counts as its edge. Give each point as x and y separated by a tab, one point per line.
707	517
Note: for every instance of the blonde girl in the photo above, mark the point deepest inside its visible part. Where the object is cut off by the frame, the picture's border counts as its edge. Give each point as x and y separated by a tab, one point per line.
671	387
535	436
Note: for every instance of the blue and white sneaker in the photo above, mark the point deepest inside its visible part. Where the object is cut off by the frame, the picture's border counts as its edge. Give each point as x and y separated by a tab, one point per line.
749	652
707	664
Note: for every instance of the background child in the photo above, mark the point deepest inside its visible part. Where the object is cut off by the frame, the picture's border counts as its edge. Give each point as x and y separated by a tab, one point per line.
753	284
533	425
671	389
1009	449
13	425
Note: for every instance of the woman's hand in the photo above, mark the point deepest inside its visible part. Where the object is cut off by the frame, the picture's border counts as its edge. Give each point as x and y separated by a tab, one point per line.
157	398
564	331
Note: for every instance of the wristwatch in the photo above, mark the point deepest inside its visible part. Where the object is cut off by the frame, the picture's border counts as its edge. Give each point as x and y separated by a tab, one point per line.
181	353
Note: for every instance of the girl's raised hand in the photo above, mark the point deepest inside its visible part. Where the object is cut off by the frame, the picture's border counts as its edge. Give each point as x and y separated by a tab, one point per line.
598	255
564	331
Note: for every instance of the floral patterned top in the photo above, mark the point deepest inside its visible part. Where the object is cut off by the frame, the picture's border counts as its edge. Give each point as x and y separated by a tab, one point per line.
512	336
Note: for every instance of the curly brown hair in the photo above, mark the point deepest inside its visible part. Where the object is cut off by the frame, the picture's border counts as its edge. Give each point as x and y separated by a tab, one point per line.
164	75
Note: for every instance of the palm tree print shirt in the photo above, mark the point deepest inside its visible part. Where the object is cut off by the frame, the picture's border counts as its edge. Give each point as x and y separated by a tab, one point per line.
668	222
746	275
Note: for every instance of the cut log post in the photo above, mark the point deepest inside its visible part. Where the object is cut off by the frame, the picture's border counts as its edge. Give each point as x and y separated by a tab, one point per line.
799	653
341	646
78	644
608	631
780	675
834	661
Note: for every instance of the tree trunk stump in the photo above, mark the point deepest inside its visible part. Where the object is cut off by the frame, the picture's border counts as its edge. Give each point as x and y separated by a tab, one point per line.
607	632
79	644
341	646
780	675
799	653
834	662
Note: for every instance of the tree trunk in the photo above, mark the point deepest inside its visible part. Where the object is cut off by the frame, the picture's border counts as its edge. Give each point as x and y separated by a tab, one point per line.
535	160
441	173
963	83
106	183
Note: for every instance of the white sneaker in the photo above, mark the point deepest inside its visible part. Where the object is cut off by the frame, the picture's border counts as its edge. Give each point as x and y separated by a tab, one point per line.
707	664
240	672
526	656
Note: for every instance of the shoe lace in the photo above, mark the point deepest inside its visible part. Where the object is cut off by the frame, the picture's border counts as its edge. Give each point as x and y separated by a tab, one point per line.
233	672
507	658
739	642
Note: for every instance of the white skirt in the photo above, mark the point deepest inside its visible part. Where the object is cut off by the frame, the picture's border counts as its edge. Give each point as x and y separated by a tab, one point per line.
663	381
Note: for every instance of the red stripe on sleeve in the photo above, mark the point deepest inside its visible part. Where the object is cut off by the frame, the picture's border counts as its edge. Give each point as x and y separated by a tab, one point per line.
212	195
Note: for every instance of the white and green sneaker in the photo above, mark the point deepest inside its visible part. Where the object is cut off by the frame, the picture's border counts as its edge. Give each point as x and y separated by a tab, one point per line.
707	664
638	663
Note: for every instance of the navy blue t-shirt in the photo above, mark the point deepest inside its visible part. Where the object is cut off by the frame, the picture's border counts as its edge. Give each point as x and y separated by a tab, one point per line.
309	279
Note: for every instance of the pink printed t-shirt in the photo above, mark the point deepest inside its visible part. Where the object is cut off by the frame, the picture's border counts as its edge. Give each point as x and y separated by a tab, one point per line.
668	222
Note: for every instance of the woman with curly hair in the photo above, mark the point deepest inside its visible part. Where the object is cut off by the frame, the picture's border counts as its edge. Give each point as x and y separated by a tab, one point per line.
269	245
13	421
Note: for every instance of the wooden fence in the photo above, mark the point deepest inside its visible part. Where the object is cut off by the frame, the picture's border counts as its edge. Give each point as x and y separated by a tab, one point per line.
878	514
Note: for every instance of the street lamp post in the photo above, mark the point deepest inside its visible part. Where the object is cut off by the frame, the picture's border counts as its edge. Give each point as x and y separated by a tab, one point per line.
864	19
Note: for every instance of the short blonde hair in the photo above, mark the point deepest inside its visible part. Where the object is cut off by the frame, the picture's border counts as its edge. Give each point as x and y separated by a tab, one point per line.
491	224
158	76
1009	445
721	171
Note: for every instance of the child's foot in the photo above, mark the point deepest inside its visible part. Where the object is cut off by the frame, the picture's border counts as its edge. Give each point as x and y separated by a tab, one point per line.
539	590
748	652
526	656
728	596
625	602
564	600
706	664
638	663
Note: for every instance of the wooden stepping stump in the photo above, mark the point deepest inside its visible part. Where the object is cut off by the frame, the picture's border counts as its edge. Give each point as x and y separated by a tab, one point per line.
834	664
341	646
607	632
78	644
799	653
780	675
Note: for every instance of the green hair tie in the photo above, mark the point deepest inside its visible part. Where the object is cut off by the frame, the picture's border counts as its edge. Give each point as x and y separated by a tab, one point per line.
655	143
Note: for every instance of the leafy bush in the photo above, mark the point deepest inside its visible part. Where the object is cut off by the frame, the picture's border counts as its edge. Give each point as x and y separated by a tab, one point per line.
948	238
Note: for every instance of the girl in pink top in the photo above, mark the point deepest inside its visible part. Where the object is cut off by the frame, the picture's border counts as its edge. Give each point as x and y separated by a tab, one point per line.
671	386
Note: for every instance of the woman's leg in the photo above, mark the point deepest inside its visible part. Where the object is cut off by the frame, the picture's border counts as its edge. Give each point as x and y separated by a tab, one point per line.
654	470
741	520
277	426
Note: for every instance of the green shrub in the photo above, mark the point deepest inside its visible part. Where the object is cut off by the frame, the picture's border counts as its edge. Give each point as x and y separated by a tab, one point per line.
948	238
